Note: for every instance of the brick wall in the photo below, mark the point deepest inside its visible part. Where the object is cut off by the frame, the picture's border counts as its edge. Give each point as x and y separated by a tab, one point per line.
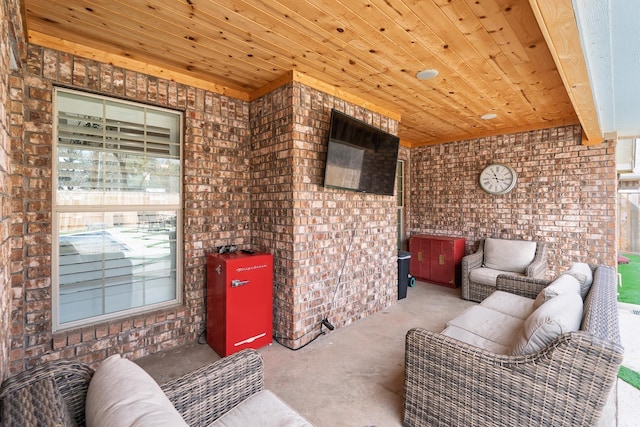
5	189
565	193
234	185
216	208
10	131
313	231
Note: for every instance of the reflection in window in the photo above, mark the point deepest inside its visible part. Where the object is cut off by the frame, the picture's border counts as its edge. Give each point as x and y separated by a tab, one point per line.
116	208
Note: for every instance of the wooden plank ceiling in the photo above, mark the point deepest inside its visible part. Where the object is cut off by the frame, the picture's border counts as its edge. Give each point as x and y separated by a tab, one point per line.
490	54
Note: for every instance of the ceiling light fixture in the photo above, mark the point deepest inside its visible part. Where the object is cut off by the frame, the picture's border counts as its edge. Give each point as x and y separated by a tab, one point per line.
426	74
488	116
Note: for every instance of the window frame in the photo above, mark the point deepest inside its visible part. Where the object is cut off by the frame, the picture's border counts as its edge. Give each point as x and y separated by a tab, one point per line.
57	209
400	202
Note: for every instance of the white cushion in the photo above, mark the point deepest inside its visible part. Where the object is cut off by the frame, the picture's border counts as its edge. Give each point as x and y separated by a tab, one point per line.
564	283
559	315
508	303
509	255
487	276
121	393
475	340
262	409
488	324
582	272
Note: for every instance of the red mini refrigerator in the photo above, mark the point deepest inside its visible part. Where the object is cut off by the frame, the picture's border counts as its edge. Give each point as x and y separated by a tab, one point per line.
239	301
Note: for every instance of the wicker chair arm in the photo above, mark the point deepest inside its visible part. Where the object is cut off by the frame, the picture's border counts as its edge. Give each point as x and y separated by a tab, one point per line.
449	383
537	269
524	286
473	260
470	262
204	395
71	378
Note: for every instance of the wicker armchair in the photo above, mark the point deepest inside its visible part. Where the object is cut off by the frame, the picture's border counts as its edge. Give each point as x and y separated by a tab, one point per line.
567	383
200	396
479	290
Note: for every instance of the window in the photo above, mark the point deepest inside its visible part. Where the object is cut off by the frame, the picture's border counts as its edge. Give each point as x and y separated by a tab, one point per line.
400	199
116	208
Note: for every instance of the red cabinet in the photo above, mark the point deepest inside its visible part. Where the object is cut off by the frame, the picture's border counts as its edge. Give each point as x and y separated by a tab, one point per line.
239	301
436	259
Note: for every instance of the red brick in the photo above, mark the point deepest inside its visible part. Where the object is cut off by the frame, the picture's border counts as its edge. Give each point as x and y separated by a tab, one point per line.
74	338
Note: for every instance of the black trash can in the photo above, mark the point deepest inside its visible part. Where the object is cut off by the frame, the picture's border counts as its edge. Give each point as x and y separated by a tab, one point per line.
403	273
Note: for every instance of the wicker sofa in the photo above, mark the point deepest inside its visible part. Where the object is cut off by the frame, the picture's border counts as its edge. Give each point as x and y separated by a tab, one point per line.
500	257
451	383
214	395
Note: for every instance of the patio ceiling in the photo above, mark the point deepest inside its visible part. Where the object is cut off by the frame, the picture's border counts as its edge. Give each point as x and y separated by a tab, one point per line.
492	56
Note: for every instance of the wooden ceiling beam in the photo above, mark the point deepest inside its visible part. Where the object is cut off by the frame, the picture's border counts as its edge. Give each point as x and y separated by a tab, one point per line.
56	43
62	45
495	132
25	30
345	95
558	24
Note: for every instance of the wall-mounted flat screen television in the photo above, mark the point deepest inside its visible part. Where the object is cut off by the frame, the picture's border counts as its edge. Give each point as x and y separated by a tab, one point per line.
360	157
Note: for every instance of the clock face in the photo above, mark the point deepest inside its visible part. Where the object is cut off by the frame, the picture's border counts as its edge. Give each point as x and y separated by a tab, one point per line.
498	179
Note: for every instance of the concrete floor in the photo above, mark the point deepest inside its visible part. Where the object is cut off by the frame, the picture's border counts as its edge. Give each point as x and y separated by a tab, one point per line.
628	397
353	376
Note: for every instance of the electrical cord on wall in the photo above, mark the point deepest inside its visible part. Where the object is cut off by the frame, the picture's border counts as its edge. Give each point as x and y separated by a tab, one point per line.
325	320
201	336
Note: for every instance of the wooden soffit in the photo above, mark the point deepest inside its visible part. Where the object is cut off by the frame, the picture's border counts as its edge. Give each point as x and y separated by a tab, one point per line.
559	27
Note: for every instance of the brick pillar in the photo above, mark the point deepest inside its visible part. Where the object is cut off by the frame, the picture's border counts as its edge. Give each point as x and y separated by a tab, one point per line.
335	251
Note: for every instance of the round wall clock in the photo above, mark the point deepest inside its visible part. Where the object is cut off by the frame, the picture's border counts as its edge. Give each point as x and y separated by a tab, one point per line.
498	179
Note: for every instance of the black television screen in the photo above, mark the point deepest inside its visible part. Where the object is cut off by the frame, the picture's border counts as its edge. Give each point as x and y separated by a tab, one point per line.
360	157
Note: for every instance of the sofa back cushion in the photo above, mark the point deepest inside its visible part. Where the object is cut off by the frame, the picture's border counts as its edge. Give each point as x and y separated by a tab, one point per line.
121	393
559	315
508	303
582	272
508	255
564	283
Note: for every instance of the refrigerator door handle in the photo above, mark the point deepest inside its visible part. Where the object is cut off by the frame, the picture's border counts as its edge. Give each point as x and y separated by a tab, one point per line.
235	283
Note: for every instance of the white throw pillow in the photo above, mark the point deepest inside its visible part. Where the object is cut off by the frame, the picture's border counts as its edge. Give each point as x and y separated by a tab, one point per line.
582	272
555	317
508	255
121	393
564	283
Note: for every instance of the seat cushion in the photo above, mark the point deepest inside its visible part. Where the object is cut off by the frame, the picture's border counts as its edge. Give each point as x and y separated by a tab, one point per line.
475	340
509	255
564	283
263	409
121	393
488	324
508	303
487	276
583	273
559	315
